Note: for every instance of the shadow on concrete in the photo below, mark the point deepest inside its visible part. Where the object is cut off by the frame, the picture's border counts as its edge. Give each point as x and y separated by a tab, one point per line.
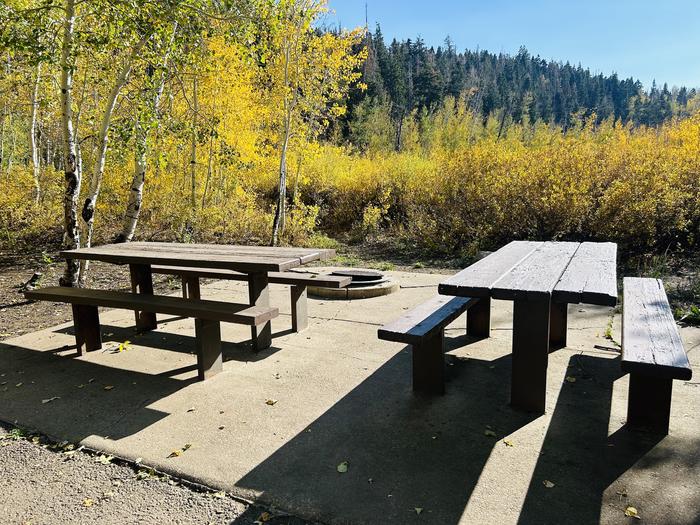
403	451
231	351
577	455
81	406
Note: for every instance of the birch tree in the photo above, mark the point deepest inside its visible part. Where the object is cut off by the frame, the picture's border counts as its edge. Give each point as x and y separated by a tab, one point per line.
311	75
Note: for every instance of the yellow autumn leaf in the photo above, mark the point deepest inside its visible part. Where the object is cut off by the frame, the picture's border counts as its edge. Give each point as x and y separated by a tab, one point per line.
342	467
631	512
87	502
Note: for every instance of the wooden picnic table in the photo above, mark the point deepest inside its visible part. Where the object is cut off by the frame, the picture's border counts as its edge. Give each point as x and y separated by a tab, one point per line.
256	261
541	278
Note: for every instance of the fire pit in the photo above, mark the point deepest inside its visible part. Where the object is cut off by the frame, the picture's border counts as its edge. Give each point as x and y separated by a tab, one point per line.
364	284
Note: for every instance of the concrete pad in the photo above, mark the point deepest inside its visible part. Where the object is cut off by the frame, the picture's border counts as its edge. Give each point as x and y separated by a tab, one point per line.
344	396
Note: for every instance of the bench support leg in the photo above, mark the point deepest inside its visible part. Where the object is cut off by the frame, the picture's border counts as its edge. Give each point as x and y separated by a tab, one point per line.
429	365
479	319
190	287
300	319
530	353
557	325
649	403
259	292
142	282
208	334
86	323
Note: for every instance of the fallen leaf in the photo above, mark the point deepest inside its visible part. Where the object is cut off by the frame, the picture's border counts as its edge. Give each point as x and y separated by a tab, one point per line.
222	427
123	347
218	495
271	402
175	453
191	409
109	387
508	443
18	385
489	432
343	467
54	398
418	510
138	460
105	460
571	379
631	512
548	484
187	445
264	517
87	502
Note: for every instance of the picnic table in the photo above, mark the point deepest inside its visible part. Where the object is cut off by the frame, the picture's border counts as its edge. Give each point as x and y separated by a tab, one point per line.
542	279
255	261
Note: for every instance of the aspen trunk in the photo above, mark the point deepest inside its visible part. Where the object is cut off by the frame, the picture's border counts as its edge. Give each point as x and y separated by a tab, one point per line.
71	164
88	212
36	166
278	224
193	147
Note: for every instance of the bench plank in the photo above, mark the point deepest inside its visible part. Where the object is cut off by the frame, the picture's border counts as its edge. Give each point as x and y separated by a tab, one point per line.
290	278
590	277
651	344
477	279
210	310
425	319
537	275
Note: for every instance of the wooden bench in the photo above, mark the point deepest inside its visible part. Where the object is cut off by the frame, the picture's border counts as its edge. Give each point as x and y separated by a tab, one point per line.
207	314
298	282
423	328
652	353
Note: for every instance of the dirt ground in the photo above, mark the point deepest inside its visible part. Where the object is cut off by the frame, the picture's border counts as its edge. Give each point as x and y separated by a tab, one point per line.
49	483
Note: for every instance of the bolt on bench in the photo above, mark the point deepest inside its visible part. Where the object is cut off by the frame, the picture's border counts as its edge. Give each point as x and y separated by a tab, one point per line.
652	353
298	283
423	328
207	314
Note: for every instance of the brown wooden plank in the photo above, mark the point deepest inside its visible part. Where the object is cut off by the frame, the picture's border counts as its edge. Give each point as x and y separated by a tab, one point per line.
651	344
290	278
245	263
210	310
305	254
591	276
425	319
535	277
477	279
259	295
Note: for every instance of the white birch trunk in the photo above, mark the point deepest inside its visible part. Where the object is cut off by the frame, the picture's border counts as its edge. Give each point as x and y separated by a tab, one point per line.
88	212
193	147
71	162
36	165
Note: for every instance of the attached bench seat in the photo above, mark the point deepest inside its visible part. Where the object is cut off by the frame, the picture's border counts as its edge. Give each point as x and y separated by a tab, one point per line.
207	315
652	353
297	280
423	328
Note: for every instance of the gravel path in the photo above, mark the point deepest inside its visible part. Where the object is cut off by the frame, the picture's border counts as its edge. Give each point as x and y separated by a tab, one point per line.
46	483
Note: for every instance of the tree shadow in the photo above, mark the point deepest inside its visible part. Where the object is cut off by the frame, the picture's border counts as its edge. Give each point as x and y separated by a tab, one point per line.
67	398
578	455
403	451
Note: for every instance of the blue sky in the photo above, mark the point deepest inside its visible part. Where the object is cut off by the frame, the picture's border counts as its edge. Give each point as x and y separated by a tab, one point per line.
644	39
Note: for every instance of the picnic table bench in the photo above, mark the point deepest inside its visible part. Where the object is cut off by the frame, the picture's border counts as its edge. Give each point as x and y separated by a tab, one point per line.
542	279
652	353
424	327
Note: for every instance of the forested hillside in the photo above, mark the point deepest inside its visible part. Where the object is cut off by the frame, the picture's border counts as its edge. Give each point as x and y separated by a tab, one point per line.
243	121
406	78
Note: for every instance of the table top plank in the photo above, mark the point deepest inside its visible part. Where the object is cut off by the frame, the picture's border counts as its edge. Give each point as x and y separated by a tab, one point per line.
305	254
591	276
650	336
206	256
535	277
478	279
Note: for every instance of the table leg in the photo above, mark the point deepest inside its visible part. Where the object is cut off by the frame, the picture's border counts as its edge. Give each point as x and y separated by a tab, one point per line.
479	318
429	365
259	292
190	287
530	353
557	325
300	316
142	282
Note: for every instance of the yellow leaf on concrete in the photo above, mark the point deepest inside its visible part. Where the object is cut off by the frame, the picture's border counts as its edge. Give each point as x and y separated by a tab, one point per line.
343	467
571	379
87	502
418	510
508	443
109	387
548	484
631	512
271	402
